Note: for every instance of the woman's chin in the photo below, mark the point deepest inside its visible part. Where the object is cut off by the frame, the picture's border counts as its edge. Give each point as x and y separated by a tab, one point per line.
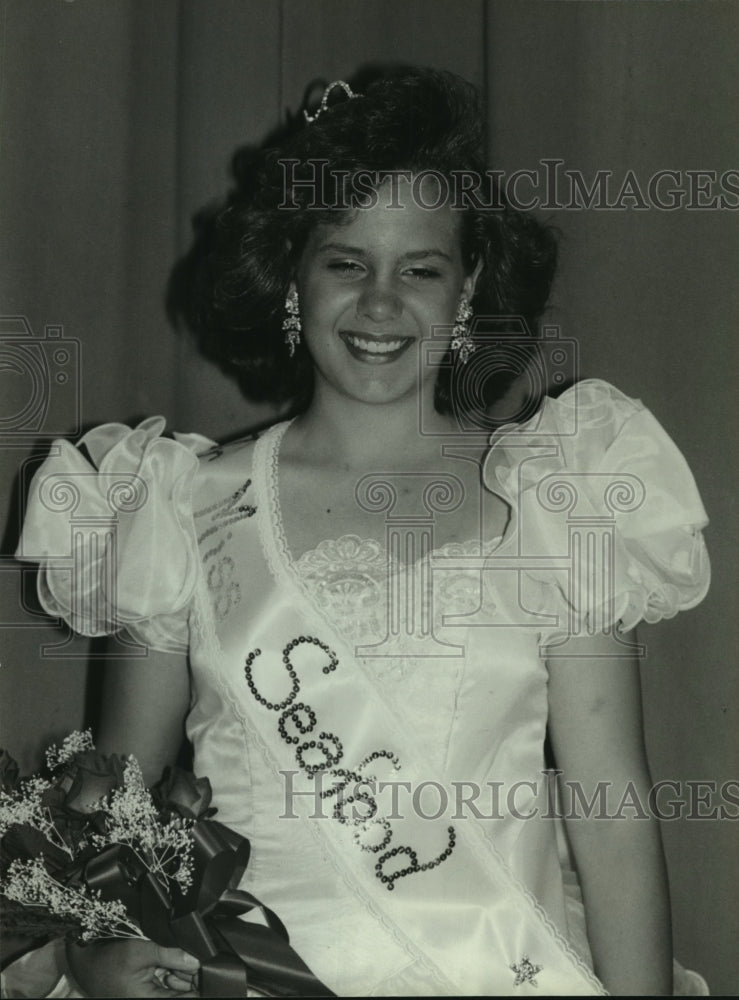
382	391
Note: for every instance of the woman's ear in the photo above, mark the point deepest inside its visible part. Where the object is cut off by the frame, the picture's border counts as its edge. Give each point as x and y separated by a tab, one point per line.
288	256
292	287
470	282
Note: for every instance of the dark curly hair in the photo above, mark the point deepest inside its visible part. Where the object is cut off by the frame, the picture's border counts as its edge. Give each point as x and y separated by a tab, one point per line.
416	120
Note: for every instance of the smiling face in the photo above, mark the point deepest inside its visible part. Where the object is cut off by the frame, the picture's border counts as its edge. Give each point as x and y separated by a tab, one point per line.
372	287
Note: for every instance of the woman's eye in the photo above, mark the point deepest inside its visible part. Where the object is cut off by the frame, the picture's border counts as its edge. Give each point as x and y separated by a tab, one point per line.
422	272
345	266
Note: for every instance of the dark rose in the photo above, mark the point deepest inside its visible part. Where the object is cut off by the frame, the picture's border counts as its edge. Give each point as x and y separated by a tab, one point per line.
85	782
26	842
182	793
8	772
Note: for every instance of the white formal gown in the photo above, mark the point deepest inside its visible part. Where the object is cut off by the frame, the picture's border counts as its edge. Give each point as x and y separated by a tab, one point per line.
372	717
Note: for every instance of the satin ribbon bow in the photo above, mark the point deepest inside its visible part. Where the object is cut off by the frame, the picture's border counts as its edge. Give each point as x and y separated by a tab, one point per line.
235	954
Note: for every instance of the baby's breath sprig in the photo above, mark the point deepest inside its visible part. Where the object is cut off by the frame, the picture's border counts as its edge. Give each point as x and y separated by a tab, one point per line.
76	742
132	818
29	883
24	807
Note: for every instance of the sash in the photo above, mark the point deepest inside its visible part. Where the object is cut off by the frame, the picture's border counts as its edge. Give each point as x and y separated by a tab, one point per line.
436	877
352	769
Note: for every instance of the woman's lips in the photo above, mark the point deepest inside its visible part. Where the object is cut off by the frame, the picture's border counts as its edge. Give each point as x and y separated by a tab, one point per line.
376	350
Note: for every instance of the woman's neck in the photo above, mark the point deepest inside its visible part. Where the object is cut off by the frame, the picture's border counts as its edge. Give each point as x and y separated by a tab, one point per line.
345	433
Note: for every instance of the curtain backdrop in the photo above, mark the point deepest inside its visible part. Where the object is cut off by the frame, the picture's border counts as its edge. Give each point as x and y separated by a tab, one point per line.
118	122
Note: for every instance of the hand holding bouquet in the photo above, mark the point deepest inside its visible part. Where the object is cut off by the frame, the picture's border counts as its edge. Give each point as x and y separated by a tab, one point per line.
89	852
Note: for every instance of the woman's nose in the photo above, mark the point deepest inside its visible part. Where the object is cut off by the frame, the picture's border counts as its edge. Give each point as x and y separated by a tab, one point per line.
379	302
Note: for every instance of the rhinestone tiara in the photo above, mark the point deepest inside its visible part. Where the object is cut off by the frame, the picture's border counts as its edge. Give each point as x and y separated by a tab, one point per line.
323	106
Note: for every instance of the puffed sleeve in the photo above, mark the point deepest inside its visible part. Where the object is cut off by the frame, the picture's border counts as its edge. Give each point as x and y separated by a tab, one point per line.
607	514
110	524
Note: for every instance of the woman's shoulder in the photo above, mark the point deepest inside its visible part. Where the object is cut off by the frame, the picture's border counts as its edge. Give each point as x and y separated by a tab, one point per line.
226	470
200	472
593	470
229	454
592	429
136	492
568	416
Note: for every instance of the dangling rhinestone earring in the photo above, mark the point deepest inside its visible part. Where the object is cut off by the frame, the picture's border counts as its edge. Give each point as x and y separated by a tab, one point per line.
462	342
291	324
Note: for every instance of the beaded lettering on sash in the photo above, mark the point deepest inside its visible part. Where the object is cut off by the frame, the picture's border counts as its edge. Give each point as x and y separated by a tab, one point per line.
220	568
319	753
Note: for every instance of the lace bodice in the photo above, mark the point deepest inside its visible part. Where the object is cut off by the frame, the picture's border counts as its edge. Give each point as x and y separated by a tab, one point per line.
352	579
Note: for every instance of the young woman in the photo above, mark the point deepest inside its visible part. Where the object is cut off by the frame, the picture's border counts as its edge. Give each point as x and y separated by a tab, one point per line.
368	618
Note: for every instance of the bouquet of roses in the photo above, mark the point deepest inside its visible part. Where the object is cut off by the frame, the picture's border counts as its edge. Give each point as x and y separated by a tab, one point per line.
88	851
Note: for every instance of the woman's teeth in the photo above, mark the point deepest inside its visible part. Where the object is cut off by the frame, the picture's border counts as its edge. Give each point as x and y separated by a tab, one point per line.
376	346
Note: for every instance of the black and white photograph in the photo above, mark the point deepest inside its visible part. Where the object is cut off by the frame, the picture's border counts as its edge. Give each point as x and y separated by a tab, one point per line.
368	380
